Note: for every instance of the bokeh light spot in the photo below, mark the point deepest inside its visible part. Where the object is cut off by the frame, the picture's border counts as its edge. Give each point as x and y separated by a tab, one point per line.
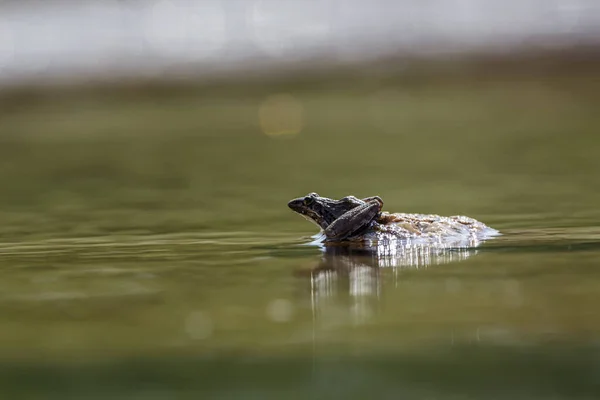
453	285
280	310
281	115
198	325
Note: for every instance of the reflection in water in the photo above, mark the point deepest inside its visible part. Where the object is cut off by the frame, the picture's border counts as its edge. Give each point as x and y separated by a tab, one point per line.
342	276
353	270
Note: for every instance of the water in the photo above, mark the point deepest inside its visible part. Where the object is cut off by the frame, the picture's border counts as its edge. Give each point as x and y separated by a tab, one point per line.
147	250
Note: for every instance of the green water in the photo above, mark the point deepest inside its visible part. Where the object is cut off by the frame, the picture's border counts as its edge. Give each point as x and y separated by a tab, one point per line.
146	249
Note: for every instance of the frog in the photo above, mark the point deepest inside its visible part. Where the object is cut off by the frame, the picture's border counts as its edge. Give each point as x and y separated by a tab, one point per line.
354	219
339	219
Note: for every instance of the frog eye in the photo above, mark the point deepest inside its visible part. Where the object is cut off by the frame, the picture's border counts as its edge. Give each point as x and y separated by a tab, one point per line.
308	200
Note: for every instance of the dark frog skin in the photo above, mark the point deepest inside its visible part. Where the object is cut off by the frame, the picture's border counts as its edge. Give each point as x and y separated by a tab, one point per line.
339	219
354	219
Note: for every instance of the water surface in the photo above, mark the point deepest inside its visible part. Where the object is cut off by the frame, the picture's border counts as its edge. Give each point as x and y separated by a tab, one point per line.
146	247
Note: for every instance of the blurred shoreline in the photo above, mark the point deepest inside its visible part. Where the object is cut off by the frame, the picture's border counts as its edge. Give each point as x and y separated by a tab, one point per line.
60	43
318	73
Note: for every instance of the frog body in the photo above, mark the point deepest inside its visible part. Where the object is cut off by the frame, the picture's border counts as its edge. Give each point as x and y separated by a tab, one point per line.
351	219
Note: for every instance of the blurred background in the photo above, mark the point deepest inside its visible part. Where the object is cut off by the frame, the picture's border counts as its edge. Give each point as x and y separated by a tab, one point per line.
148	150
